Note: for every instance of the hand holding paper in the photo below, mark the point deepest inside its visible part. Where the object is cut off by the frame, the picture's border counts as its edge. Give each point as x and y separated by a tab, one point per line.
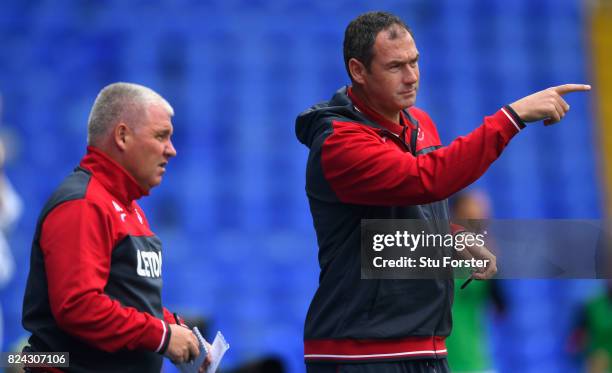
216	352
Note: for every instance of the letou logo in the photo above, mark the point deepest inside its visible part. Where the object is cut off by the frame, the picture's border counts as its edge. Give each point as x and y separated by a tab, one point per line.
149	263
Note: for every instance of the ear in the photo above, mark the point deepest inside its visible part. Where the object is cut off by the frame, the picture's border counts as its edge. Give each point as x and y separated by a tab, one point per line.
358	70
121	135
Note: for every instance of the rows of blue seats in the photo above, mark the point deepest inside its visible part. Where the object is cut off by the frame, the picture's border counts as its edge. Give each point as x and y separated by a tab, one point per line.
232	211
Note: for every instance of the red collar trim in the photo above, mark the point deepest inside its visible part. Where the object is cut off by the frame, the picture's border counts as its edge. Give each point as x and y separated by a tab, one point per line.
112	176
375	116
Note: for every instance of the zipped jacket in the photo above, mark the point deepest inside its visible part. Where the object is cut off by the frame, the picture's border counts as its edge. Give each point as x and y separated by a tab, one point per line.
363	166
94	287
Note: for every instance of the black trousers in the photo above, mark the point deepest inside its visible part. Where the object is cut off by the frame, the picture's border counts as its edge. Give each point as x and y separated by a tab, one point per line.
405	366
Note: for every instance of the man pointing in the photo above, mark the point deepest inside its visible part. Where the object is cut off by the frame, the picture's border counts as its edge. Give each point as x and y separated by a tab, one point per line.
374	155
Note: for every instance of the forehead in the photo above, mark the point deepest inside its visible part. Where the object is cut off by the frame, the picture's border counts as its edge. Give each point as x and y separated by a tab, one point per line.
399	47
158	117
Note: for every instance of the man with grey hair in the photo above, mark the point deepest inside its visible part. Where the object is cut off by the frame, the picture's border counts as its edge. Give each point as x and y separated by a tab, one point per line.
94	287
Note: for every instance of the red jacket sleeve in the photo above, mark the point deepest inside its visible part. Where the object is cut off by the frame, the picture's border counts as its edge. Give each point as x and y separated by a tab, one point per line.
76	241
362	169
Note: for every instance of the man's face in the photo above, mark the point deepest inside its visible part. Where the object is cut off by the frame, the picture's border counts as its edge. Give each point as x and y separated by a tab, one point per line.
150	148
392	81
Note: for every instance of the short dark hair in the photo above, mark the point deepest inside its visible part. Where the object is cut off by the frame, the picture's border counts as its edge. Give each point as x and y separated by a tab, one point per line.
361	33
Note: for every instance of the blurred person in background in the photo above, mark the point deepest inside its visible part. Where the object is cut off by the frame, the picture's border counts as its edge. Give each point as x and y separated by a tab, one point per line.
468	345
10	209
94	286
373	155
593	334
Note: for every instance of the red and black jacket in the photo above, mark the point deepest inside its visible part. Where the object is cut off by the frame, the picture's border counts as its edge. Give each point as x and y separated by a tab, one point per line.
94	287
362	166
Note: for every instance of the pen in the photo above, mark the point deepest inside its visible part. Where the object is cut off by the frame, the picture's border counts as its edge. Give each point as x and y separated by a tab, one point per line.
467	282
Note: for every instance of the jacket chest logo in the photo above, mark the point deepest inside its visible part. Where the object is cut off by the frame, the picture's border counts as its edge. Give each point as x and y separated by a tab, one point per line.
119	209
123	214
149	264
420	134
138	216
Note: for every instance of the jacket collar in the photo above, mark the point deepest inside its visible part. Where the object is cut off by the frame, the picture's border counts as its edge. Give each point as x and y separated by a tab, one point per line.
112	176
396	128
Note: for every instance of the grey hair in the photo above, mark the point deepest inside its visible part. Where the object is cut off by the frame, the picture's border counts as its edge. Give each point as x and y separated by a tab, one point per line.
121	102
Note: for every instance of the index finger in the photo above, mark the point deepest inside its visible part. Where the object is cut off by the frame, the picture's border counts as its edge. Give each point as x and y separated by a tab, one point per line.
567	88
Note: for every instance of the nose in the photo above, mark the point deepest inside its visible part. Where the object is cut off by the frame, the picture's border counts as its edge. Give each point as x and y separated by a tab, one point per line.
411	74
169	150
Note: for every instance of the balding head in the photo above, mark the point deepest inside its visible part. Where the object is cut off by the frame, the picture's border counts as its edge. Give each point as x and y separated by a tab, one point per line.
121	103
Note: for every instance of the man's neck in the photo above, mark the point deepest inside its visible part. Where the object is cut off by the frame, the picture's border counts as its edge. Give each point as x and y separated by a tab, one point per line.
363	97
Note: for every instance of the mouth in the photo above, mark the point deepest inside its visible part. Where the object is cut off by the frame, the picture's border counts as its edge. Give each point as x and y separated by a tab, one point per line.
163	166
